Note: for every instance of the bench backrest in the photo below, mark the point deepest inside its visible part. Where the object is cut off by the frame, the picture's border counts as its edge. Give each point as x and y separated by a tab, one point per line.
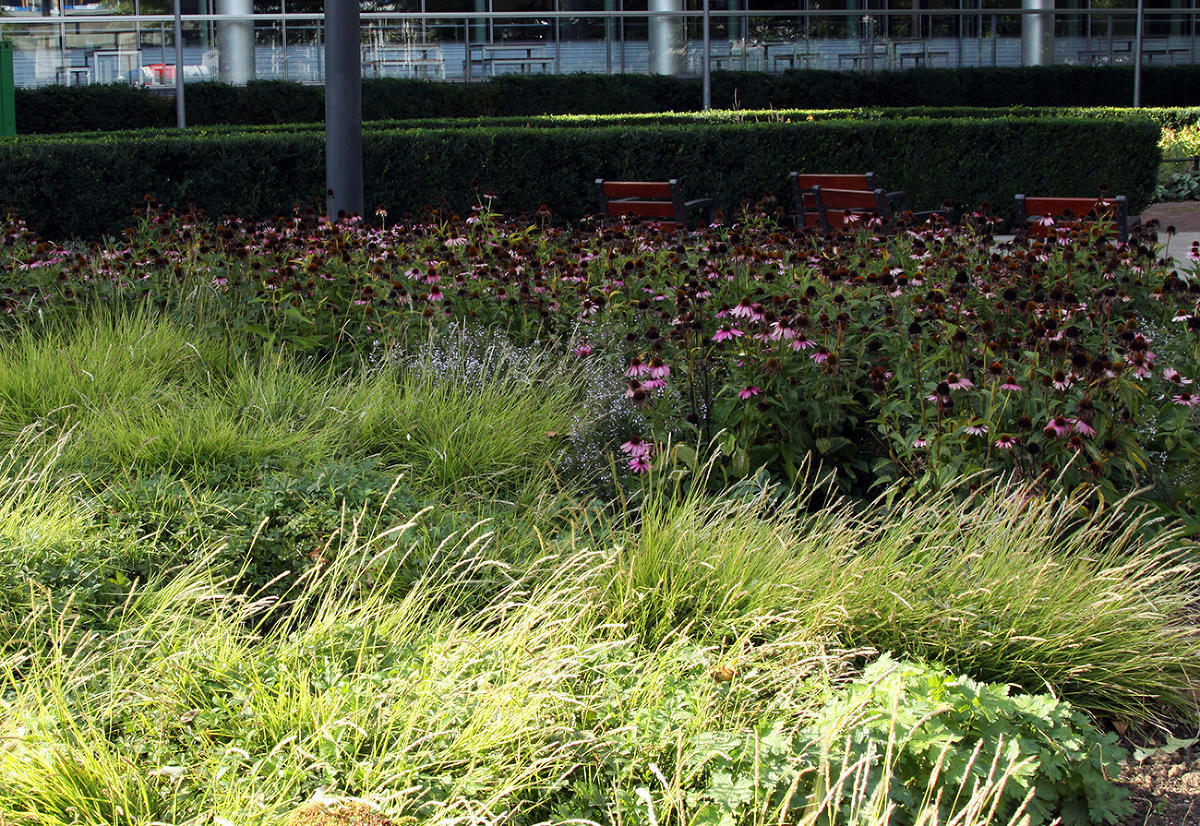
833	205
802	196
642	199
1029	209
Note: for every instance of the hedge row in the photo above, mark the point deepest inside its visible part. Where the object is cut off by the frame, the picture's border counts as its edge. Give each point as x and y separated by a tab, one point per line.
56	109
83	187
1166	117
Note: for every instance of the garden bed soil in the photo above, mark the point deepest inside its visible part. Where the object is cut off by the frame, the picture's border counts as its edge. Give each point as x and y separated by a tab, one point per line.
1164	789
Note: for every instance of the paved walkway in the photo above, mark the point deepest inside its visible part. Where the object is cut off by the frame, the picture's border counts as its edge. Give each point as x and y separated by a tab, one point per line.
1185	217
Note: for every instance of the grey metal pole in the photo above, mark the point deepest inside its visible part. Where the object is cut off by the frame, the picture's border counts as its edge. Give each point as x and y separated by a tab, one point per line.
283	35
1137	58
1037	32
707	64
665	34
180	107
343	109
235	39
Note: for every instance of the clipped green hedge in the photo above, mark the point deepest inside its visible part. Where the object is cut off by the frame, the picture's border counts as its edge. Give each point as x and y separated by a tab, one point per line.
57	109
1166	117
83	187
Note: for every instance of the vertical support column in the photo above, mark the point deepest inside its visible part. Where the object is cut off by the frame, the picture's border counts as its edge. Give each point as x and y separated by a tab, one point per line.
610	33
8	112
1037	32
235	39
735	23
706	70
343	109
180	106
1137	54
479	25
666	37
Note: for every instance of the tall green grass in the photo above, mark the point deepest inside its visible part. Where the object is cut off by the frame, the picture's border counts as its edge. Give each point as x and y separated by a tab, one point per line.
143	395
466	640
533	708
1004	585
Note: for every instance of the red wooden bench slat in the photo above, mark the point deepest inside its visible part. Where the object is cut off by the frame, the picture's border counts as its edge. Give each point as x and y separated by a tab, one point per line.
638	189
851	199
643	209
1079	207
1114	211
864	181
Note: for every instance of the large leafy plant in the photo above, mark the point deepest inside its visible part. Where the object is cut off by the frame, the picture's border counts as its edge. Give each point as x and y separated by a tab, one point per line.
914	737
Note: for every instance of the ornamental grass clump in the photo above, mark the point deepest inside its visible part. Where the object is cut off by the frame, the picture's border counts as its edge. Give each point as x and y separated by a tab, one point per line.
499	692
1004	584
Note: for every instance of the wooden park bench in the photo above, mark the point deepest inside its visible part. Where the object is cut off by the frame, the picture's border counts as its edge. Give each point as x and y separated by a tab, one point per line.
805	203
661	202
1030	211
837	208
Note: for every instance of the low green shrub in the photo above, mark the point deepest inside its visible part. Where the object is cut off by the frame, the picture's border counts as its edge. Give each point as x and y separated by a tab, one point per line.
82	187
75	109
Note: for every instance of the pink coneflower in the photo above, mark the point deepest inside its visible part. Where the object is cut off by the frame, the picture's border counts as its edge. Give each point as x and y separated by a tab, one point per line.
726	333
1083	427
456	242
636	368
654	384
584	348
749	392
637	447
1142	363
957	382
919	443
1076	443
635	388
436	295
658	368
799	344
639	464
1175	377
976	429
1010	384
781	332
1006	443
1059	427
821	356
1060	381
1186	399
1045	221
747	309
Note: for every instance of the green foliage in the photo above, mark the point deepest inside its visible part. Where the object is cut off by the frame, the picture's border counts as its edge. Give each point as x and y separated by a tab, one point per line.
84	186
911	735
74	109
1179	186
929	723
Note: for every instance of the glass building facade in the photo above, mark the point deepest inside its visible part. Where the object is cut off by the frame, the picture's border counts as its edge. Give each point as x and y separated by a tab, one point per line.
132	41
